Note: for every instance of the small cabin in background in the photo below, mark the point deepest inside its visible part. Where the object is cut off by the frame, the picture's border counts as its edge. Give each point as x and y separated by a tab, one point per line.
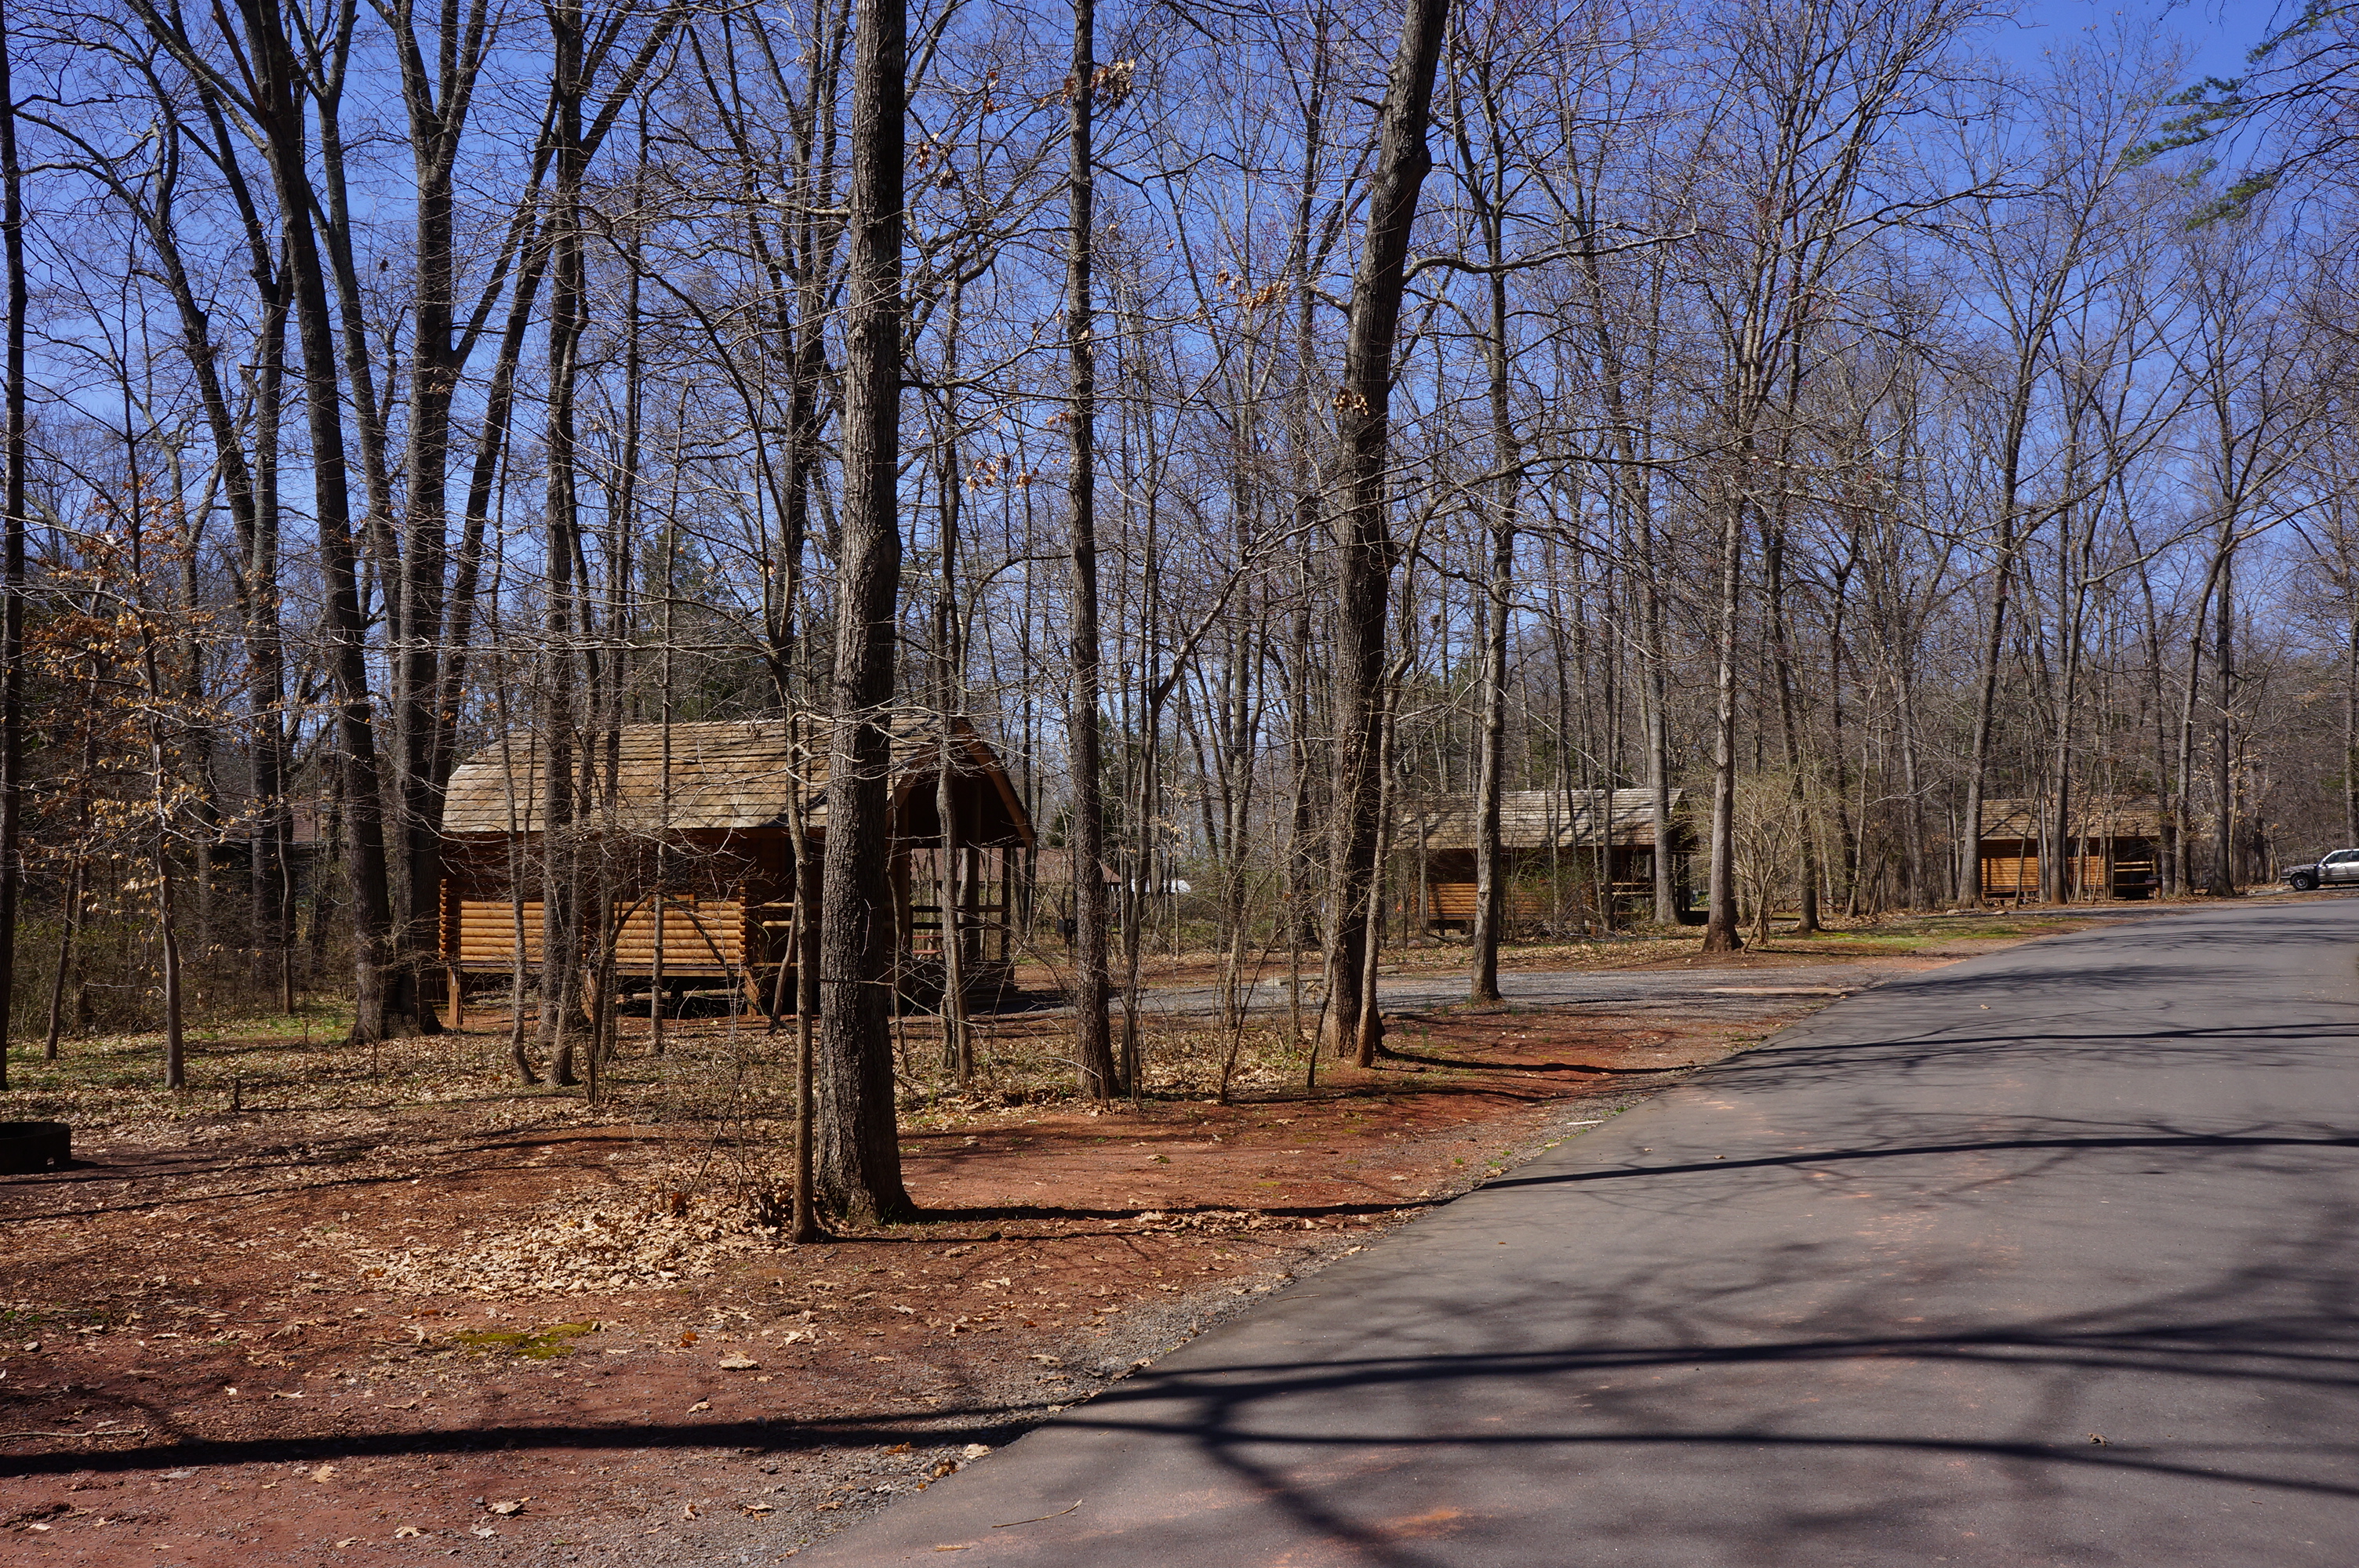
1545	834
2114	848
710	820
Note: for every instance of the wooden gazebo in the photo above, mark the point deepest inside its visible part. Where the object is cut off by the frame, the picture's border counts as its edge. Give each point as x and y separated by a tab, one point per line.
707	815
2112	847
1545	830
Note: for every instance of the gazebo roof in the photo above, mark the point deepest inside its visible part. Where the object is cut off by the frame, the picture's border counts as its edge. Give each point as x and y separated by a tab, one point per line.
1544	820
2093	817
733	774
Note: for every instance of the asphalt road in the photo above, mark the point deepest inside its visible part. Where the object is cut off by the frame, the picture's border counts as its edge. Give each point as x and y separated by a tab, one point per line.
1720	992
2042	1257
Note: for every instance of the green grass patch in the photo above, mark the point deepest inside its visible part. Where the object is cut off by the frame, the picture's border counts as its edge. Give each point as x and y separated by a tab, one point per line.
545	1343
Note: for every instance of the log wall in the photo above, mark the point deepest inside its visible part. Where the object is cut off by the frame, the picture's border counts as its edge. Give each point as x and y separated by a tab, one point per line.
702	936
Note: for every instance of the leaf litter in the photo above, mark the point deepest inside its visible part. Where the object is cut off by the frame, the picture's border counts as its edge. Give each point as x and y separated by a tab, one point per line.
245	1218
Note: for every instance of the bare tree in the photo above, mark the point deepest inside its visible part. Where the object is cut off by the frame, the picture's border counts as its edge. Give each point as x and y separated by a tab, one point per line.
859	1171
1366	556
1811	93
1085	843
12	551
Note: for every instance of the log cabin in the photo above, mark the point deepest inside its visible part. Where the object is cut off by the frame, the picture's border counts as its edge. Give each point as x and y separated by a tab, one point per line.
2114	848
1546	835
706	818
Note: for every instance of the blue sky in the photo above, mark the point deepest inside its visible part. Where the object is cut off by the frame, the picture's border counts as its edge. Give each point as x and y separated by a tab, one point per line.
2219	32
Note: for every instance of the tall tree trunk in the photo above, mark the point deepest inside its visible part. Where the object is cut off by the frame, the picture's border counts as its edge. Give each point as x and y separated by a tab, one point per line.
561	611
1301	868
250	488
12	559
436	98
957	1054
1490	883
1970	896
1365	558
1782	654
278	97
2166	848
2351	735
1719	932
1086	844
2184	808
271	89
2222	881
860	1160
1839	786
1634	492
1904	687
2074	549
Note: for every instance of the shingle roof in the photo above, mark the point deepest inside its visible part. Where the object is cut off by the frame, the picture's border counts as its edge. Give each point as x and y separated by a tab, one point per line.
2092	817
738	774
1544	820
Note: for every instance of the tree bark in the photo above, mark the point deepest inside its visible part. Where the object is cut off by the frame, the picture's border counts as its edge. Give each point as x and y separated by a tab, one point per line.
347	623
1719	932
1085	842
560	880
437	99
859	1171
1782	652
1364	559
269	87
12	559
1490	883
2222	881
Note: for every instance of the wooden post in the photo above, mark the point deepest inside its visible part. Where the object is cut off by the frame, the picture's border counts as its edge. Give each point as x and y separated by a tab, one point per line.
1006	900
656	966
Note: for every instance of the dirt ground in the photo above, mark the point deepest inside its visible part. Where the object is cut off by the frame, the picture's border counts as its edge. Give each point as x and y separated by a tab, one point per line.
443	1317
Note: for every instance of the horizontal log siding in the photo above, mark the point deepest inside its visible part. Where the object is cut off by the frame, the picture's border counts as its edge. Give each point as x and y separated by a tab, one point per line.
702	937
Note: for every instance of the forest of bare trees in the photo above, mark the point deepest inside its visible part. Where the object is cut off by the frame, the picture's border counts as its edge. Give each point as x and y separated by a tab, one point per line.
1261	422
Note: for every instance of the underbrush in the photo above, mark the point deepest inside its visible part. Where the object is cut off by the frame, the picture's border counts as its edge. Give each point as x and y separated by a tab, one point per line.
725	1082
735	1075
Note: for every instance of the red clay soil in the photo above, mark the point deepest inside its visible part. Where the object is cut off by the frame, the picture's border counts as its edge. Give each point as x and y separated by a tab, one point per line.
198	1368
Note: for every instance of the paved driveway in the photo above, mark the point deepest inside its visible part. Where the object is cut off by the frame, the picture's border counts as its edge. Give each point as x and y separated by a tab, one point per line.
2043	1258
1735	992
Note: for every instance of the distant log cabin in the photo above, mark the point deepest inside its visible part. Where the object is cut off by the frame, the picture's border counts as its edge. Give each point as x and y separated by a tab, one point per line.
2113	850
715	821
1550	841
